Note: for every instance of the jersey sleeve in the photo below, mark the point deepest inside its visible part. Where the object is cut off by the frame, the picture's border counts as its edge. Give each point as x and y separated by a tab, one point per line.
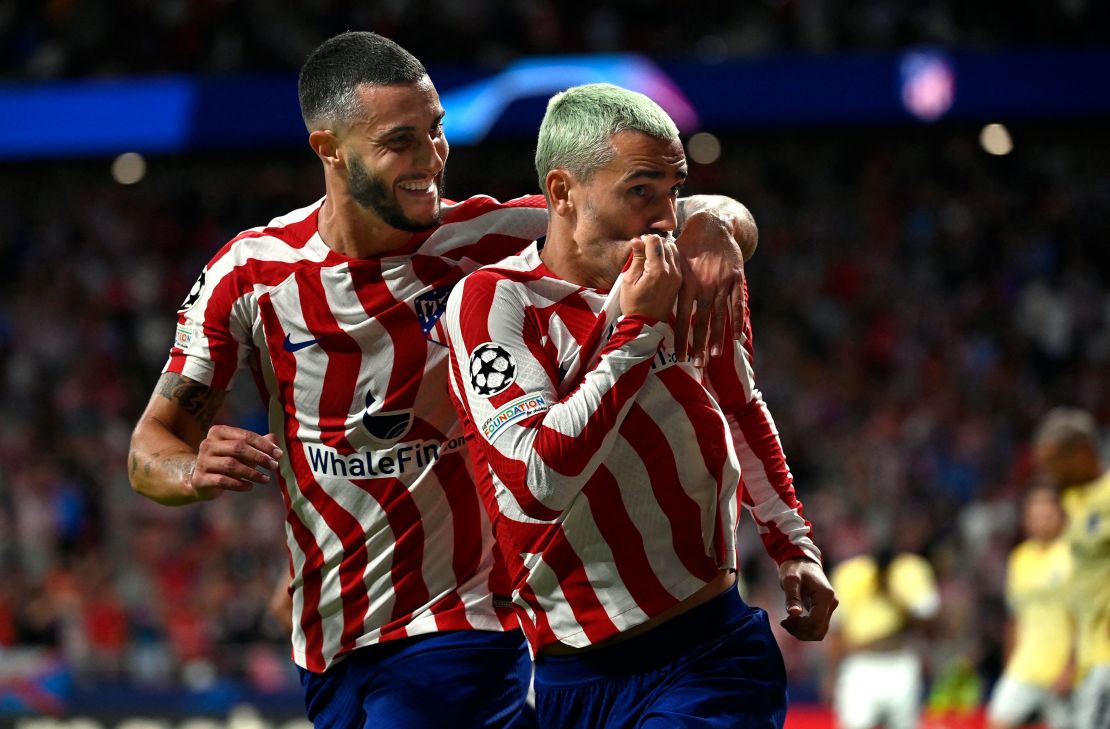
543	448
213	334
481	230
767	488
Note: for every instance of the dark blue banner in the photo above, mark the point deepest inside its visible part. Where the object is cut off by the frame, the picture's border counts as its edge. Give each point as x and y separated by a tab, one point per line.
172	114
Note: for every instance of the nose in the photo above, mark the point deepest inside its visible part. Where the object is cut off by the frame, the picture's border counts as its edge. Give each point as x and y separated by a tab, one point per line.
666	219
433	154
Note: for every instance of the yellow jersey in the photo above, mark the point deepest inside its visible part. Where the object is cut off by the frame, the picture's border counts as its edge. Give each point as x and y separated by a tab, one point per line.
867	614
1037	576
1088	535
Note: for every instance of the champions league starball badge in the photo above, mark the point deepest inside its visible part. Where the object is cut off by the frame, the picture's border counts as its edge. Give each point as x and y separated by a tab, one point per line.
194	293
492	369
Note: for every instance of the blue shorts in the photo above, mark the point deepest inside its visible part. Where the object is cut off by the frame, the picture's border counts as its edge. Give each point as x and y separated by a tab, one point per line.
464	678
717	665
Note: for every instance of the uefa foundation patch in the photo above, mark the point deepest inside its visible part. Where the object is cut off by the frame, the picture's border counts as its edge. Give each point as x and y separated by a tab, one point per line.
184	337
512	412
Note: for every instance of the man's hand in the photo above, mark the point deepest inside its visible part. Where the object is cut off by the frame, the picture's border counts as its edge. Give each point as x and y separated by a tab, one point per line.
810	599
712	256
232	459
652	280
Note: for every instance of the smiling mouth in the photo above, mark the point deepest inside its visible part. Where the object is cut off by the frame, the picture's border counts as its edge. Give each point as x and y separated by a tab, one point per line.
426	187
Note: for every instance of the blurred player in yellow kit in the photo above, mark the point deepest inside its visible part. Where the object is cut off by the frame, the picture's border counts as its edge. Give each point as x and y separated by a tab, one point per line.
882	599
1066	447
1039	671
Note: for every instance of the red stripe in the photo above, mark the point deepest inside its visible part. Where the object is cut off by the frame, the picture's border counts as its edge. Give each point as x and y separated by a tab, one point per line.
405	377
684	514
344	358
626	543
569	455
489	249
313	558
235	284
514	475
474	325
537	631
473	242
337	391
580	596
459	490
710	437
764	444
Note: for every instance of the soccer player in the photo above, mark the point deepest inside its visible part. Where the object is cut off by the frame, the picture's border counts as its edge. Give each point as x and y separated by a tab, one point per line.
883	598
611	469
1038	673
334	308
1066	447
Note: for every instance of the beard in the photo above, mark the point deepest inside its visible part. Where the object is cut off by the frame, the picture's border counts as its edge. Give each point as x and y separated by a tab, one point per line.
371	193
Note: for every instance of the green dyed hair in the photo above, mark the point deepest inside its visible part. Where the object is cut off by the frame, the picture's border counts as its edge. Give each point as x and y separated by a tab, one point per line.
576	131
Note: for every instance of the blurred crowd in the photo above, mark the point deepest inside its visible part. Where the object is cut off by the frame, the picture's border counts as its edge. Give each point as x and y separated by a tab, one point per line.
917	305
77	38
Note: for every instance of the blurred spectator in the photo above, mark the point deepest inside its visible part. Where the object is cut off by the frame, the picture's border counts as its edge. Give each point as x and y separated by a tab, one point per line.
879	672
1039	670
1067	447
79	38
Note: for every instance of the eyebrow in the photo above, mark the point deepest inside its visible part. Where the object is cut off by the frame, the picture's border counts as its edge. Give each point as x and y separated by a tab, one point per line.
653	175
410	127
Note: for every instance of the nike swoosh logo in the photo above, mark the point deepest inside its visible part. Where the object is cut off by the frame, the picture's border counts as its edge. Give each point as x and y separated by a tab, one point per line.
291	346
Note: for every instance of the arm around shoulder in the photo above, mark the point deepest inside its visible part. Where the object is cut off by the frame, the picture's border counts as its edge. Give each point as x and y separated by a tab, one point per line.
722	210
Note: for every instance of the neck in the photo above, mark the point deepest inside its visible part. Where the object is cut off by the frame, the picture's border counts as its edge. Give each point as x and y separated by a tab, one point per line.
351	230
573	263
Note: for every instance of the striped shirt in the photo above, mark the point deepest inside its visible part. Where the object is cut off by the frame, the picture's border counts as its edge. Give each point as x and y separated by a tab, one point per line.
386	534
612	469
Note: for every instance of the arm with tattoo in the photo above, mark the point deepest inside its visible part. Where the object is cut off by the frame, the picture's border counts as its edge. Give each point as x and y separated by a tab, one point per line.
178	457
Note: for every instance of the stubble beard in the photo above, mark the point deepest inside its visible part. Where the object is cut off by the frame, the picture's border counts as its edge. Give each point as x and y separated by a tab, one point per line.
371	193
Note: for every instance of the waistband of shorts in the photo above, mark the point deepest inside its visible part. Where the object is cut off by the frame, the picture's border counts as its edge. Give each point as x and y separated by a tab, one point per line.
648	651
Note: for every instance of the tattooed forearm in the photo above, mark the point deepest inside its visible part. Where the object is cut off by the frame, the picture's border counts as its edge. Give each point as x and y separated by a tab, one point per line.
179	465
195	398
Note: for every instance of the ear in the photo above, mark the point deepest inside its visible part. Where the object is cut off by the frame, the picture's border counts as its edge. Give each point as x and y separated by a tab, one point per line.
558	185
326	146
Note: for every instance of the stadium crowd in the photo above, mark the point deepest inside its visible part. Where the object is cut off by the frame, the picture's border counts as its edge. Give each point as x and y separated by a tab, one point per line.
77	38
923	304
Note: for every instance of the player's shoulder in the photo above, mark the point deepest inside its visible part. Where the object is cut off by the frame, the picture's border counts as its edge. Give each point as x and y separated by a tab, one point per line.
495	277
284	237
482	209
478	204
505	279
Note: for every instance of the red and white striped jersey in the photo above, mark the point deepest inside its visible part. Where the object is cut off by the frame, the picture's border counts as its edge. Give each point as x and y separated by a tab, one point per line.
386	533
612	469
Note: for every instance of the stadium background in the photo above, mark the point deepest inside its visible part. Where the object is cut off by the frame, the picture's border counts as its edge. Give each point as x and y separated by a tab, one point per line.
918	302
